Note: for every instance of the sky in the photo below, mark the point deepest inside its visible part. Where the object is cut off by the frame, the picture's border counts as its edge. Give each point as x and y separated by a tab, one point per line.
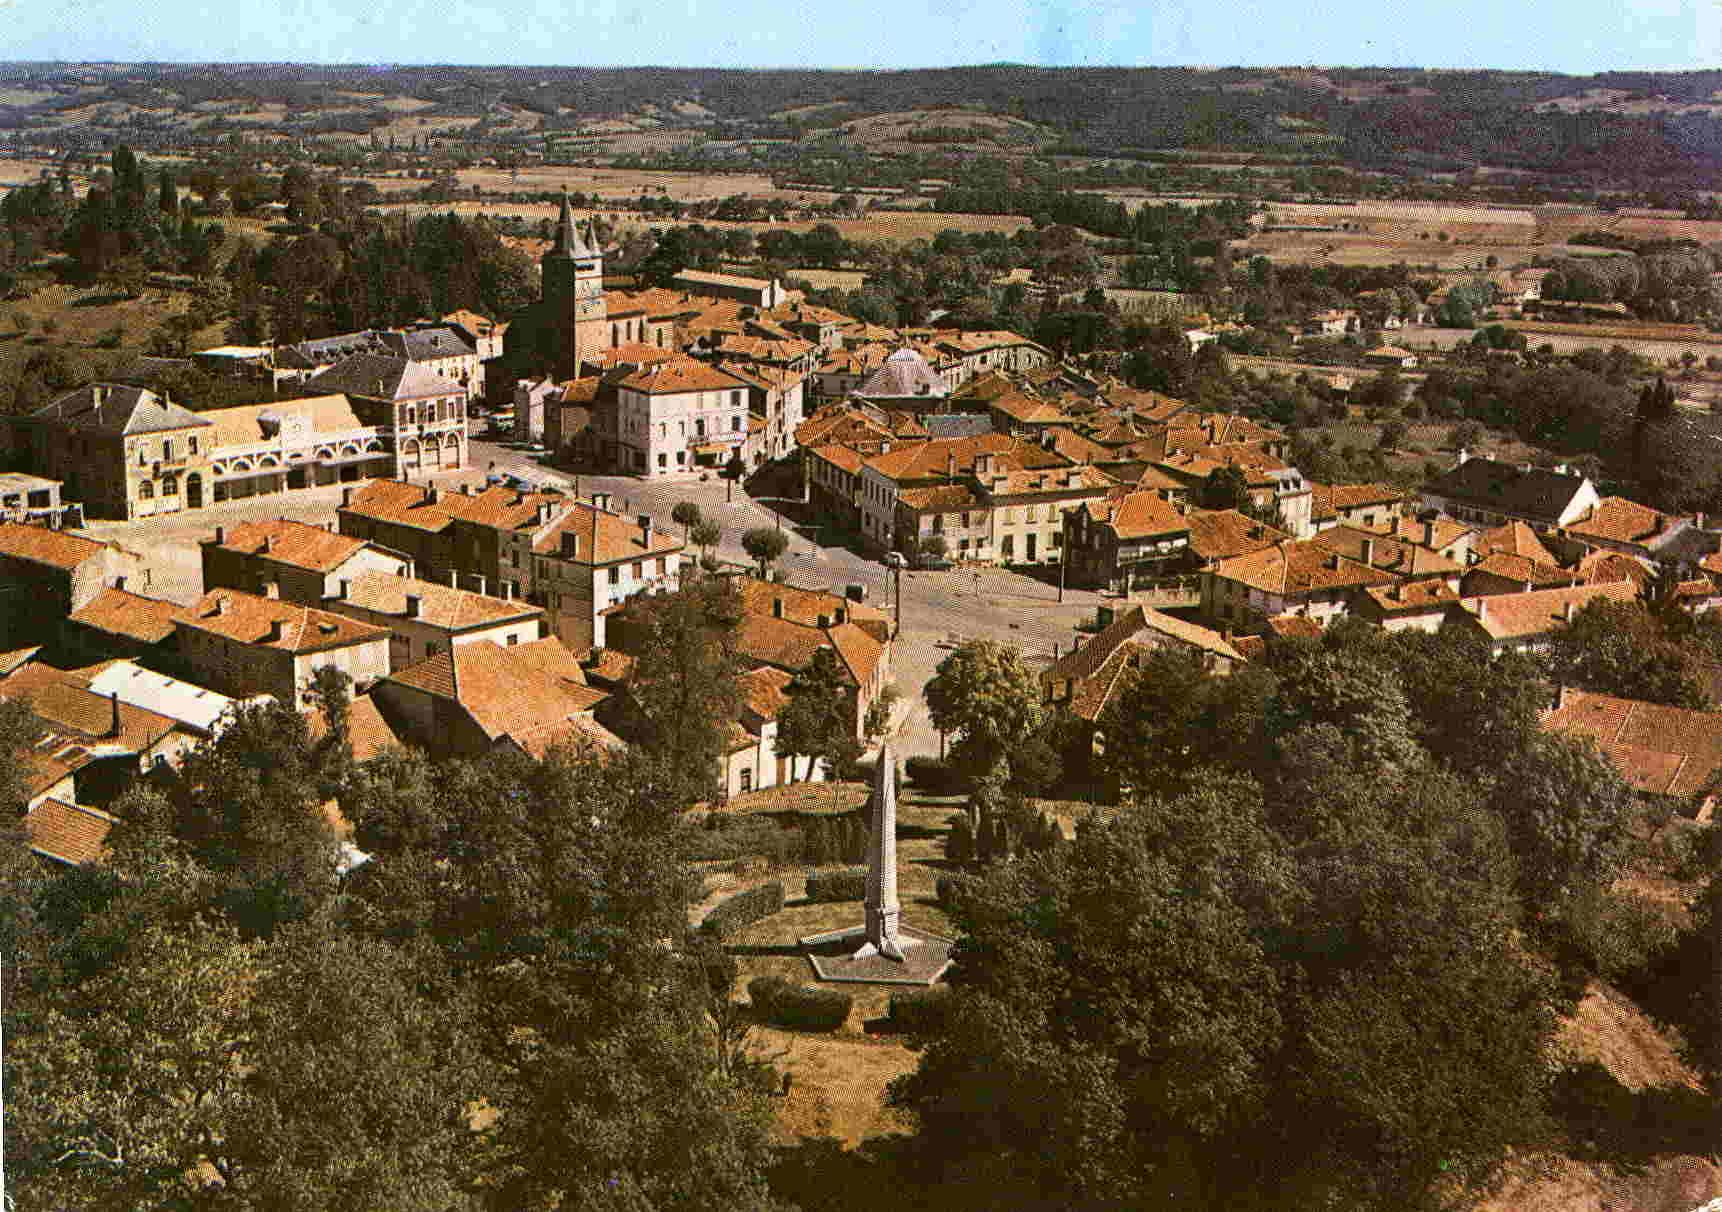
1576	36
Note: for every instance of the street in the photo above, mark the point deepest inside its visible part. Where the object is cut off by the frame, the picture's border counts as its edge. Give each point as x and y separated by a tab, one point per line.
939	608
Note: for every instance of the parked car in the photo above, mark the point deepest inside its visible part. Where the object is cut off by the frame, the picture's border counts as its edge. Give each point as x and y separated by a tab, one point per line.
895	559
934	563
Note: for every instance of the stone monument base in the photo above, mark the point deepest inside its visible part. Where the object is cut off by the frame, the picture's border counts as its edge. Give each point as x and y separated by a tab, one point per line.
839	955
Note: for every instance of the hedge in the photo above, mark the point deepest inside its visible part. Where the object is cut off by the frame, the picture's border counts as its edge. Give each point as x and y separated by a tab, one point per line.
847	884
948	888
802	1007
921	1011
744	909
934	776
737	837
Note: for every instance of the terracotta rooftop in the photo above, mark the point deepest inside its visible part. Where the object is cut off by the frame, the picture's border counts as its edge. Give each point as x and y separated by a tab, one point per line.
1659	750
247	618
1523	569
933	459
592	536
39	545
298	544
1218	534
1410	597
504	691
431	509
1022	483
1096	667
77	724
147	620
1390	555
763	691
1137	515
438	605
367	730
1513	538
1296	567
680	375
1327	500
1621	520
1536	612
69	833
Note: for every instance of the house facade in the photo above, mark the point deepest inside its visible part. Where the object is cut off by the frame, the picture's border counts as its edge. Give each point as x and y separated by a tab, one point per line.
244	644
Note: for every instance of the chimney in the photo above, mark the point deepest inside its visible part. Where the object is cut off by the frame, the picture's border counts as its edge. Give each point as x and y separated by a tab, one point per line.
543	512
453	579
645	521
824	621
274	631
412	605
777	608
432	496
220	535
272	591
1429	534
1397	593
1369	551
508	591
1333	561
218	607
950	464
1464	456
1482	609
114	718
268	543
345	588
1567	612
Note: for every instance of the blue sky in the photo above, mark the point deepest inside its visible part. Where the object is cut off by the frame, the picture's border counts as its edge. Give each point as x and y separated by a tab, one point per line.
1578	36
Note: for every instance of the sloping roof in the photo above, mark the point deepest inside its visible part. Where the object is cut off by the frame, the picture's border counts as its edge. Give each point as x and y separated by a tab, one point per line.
1028	410
382	377
1137	515
1513	538
39	545
1622	520
147	620
118	409
1390	555
69	833
1507	488
957	425
1217	534
428	344
1602	566
1299	567
1326	500
1027	482
77	723
678	375
1660	750
602	537
704	278
1412	597
1435	533
1294	627
933	458
780	642
609	665
433	509
1515	616
11	662
763	690
504	691
284	541
805	606
1519	568
247	618
249	423
1095	668
438	605
903	375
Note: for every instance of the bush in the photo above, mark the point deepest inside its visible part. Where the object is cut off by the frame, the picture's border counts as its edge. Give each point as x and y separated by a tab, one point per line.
827	839
960	842
743	910
112	338
728	836
847	884
800	1007
718	967
921	1011
934	776
950	888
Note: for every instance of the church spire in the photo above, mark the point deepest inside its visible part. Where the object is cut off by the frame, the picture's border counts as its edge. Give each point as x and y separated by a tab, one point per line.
569	242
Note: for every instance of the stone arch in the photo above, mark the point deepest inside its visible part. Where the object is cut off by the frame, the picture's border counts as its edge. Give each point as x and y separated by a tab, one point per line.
241	465
325	452
373	444
146	490
451	440
349	449
268	461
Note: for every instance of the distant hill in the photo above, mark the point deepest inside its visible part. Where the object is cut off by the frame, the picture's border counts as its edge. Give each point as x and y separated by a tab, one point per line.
1626	129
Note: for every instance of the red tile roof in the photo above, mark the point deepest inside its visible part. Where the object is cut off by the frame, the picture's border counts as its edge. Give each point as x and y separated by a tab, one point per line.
601	537
250	619
69	833
39	545
438	605
298	544
147	620
1660	750
504	691
1293	568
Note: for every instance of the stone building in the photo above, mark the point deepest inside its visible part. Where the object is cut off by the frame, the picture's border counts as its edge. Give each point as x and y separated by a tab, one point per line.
305	563
46	575
425	618
244	644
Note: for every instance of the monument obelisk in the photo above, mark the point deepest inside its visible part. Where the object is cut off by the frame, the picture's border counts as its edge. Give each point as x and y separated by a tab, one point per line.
882	907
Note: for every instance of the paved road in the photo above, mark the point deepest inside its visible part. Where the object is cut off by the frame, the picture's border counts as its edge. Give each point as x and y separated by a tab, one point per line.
938	607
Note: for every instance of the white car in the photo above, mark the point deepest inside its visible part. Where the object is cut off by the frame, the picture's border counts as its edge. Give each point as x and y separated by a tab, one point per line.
895	559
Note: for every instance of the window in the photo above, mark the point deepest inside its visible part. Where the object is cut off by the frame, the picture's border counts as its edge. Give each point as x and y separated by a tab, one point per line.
514	559
735	398
1007	546
191	444
699	429
143	456
735	423
170	486
615	574
513	640
663	460
432	648
746	778
639	571
146	490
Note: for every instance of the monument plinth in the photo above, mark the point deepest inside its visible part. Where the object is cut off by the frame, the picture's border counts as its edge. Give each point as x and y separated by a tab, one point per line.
884	956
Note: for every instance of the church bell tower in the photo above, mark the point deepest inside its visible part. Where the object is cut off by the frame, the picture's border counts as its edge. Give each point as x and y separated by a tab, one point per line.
574	294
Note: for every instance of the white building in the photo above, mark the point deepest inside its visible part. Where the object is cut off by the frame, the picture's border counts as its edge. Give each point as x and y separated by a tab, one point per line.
680	416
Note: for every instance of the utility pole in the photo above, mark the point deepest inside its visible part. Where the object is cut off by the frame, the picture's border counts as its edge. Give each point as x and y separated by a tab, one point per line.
1061	574
897	588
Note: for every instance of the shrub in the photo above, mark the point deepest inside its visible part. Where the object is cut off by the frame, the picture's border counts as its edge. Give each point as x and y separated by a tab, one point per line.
740	836
801	1007
743	910
950	888
847	884
934	776
960	842
112	338
921	1011
50	325
718	967
833	839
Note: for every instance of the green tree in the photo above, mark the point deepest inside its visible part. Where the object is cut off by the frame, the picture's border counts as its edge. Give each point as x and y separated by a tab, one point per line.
682	696
687	515
705	534
765	545
819	720
984	694
1225	488
1620	648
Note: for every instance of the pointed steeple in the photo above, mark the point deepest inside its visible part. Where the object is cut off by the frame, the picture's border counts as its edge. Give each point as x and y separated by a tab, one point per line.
569	242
